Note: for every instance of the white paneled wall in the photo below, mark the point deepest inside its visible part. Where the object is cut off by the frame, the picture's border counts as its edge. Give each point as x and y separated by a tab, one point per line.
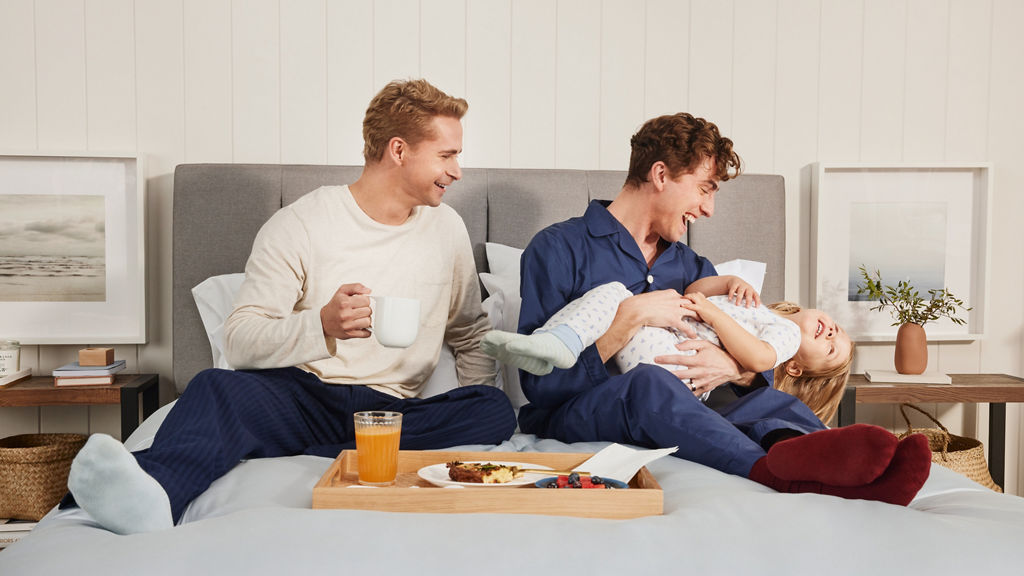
532	63
551	83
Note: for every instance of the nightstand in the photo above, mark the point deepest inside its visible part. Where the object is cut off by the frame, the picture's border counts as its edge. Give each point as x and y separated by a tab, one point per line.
995	389
128	391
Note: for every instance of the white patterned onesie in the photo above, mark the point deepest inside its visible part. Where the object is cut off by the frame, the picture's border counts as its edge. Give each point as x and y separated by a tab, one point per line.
590	315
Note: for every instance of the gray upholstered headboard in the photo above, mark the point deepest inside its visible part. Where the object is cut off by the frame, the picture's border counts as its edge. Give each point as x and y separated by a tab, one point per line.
218	208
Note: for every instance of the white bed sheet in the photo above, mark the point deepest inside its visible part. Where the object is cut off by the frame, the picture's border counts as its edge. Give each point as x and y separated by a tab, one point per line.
258	520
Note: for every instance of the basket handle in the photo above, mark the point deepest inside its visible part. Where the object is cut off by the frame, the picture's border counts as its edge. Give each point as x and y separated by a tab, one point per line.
945	432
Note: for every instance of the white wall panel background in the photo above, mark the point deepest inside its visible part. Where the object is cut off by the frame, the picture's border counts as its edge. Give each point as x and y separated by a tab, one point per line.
18	128
350	77
488	60
840	80
558	83
666	56
110	75
711	40
970	51
443	34
753	83
256	77
532	74
61	118
926	75
303	82
622	75
883	89
208	93
577	84
396	40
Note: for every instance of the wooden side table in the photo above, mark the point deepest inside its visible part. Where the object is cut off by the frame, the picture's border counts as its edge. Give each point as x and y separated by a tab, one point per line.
995	389
127	391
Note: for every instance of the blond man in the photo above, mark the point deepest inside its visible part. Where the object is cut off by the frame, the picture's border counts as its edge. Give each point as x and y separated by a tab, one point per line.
300	332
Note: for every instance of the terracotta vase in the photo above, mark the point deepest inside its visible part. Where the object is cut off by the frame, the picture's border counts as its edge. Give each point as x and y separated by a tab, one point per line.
911	349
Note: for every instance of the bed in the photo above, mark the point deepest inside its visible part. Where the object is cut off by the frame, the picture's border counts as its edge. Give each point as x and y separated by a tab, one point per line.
258	518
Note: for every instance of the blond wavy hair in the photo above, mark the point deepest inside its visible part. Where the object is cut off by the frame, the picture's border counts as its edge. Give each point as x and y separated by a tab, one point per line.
405	109
821	391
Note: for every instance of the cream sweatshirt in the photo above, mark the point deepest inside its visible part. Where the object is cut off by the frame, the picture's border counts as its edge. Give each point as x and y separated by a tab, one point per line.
308	249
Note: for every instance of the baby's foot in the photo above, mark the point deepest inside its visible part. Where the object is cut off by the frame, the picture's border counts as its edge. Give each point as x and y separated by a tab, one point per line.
543	346
108	483
495	344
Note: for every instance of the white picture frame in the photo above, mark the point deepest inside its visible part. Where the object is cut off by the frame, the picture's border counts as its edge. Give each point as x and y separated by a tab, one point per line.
925	223
72	240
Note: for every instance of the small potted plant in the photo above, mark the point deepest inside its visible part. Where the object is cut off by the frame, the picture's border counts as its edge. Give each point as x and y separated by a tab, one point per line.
911	312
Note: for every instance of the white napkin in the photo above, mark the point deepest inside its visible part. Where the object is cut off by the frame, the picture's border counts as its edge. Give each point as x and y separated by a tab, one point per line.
621	462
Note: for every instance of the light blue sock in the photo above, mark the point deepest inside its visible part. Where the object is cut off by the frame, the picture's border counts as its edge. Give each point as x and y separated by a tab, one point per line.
495	344
545	346
108	483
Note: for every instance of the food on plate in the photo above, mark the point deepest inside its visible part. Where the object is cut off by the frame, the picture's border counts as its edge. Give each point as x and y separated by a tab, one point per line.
482	472
574	480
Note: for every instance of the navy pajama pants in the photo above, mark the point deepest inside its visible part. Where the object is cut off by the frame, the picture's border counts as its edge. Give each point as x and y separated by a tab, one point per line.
227	416
648	406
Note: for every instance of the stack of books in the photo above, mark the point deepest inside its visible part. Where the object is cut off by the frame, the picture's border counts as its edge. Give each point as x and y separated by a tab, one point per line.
75	374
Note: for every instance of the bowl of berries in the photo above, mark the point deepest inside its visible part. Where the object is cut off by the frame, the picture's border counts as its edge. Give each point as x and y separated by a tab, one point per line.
581	481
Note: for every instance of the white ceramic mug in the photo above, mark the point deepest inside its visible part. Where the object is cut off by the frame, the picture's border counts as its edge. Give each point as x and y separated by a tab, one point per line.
396	321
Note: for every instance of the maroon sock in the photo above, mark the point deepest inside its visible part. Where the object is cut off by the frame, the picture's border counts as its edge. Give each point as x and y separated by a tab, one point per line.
898	485
849	456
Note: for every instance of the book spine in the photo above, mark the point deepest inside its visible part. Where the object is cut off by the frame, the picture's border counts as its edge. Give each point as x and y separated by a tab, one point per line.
83	380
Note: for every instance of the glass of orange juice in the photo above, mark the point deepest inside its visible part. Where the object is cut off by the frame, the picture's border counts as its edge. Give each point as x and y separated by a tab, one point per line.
377	437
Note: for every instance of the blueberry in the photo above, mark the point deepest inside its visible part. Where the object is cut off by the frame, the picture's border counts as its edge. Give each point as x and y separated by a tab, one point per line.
574	477
551	485
596	480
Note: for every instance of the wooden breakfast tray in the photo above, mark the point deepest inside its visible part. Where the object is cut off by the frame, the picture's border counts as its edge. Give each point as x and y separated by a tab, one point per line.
413	494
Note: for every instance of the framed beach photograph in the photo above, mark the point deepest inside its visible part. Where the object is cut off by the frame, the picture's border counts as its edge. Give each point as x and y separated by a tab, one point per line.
927	225
72	254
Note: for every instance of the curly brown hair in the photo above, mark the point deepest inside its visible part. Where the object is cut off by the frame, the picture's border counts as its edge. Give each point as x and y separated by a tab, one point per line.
820	391
682	142
405	108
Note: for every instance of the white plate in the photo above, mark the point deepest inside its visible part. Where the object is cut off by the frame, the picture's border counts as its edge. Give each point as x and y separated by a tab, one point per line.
437	474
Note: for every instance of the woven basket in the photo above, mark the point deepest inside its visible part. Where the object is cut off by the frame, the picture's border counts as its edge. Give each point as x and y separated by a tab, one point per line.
960	454
34	472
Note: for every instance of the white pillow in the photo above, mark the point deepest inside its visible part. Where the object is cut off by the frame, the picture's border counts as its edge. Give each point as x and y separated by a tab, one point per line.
444	377
215	298
750	271
503	261
502	306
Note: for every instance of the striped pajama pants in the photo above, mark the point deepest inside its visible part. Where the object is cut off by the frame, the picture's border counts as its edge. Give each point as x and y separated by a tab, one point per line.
227	416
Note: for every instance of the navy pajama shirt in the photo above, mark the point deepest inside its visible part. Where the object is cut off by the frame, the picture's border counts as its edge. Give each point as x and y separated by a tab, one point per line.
647	406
